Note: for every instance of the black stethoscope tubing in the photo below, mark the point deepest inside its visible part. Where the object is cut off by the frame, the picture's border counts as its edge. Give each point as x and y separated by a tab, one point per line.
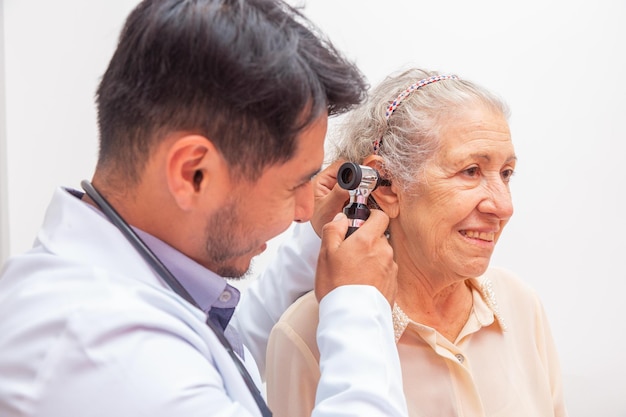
158	266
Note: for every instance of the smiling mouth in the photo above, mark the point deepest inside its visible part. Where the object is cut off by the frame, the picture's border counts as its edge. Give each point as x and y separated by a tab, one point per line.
486	236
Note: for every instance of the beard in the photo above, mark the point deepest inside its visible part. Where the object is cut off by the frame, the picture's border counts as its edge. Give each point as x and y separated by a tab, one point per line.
226	241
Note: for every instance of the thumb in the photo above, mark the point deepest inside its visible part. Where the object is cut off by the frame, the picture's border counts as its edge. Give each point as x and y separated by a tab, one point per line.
334	232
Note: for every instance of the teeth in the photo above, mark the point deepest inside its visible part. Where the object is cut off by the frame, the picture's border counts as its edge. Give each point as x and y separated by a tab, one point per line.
479	235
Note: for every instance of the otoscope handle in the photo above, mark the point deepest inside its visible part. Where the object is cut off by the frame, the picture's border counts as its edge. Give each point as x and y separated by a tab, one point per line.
357	213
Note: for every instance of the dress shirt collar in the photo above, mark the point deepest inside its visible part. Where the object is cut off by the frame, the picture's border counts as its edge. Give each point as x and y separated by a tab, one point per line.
485	307
208	289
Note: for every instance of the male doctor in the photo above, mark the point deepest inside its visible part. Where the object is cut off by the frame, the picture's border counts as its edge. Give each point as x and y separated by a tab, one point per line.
212	117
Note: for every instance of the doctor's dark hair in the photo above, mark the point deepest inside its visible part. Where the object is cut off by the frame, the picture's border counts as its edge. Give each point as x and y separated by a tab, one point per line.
249	75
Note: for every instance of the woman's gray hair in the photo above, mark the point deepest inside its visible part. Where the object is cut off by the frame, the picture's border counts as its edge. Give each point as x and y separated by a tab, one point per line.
412	134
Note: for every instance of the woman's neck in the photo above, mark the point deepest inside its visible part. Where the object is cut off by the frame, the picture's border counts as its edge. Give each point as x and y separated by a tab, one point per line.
442	304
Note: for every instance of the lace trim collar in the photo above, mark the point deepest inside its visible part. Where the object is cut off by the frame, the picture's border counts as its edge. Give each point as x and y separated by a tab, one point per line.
485	288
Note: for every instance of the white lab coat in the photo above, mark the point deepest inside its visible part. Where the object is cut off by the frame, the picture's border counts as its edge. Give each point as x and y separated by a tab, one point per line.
88	329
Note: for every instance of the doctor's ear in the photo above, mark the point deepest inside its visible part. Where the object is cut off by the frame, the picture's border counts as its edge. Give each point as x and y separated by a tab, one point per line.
192	164
385	195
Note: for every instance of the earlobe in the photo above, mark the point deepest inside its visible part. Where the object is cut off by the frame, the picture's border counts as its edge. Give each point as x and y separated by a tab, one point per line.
188	169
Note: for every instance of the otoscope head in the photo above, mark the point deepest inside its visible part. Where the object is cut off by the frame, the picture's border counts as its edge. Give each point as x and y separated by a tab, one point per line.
360	181
353	176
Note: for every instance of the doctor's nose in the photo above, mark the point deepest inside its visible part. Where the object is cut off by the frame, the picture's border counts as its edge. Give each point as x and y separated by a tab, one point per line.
305	204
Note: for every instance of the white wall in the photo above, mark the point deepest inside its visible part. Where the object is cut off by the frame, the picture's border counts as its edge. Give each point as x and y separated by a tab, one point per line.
4	218
55	53
559	64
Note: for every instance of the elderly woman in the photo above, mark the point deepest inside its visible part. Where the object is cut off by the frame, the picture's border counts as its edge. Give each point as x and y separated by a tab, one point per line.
472	340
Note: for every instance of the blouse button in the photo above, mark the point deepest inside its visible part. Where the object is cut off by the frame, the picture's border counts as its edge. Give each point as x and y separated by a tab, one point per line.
460	358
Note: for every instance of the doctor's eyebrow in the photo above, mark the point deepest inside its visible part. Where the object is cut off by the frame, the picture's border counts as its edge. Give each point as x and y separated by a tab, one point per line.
306	178
312	175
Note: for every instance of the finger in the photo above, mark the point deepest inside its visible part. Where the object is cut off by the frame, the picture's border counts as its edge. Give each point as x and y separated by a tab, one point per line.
327	206
333	168
328	177
337	198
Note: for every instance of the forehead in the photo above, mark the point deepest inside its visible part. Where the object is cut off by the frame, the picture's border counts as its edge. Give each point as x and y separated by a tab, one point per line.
477	129
308	156
310	144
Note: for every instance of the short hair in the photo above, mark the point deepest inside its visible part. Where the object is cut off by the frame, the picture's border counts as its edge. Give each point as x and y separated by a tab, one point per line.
412	134
249	75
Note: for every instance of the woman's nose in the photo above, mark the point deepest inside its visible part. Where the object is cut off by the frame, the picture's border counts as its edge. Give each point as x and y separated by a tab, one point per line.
497	199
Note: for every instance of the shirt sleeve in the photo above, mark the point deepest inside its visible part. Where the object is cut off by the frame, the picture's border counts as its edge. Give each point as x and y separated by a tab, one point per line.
359	363
290	274
550	358
292	369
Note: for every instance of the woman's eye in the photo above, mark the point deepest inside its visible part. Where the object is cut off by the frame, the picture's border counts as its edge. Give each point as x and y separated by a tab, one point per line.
507	174
472	172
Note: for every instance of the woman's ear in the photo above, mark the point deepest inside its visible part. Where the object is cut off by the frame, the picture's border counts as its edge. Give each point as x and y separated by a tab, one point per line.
385	195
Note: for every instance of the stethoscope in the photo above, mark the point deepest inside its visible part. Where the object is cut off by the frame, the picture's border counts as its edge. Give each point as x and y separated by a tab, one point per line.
173	283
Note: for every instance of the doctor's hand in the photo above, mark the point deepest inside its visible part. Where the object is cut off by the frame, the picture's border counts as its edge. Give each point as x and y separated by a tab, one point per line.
364	258
330	198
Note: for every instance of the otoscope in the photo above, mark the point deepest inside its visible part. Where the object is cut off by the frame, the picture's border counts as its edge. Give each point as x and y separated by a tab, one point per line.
360	181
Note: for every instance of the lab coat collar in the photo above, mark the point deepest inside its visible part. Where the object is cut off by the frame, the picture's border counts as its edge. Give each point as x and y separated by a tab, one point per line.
74	230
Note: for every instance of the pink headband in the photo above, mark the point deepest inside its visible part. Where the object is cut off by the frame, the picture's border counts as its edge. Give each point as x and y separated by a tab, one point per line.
394	104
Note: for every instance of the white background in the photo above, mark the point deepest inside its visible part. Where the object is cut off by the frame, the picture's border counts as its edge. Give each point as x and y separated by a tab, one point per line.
560	65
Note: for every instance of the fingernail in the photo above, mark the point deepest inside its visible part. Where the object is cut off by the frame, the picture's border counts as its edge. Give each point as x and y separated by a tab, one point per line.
338	216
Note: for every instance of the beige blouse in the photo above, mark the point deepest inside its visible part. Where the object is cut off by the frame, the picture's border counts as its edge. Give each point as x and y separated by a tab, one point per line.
503	363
